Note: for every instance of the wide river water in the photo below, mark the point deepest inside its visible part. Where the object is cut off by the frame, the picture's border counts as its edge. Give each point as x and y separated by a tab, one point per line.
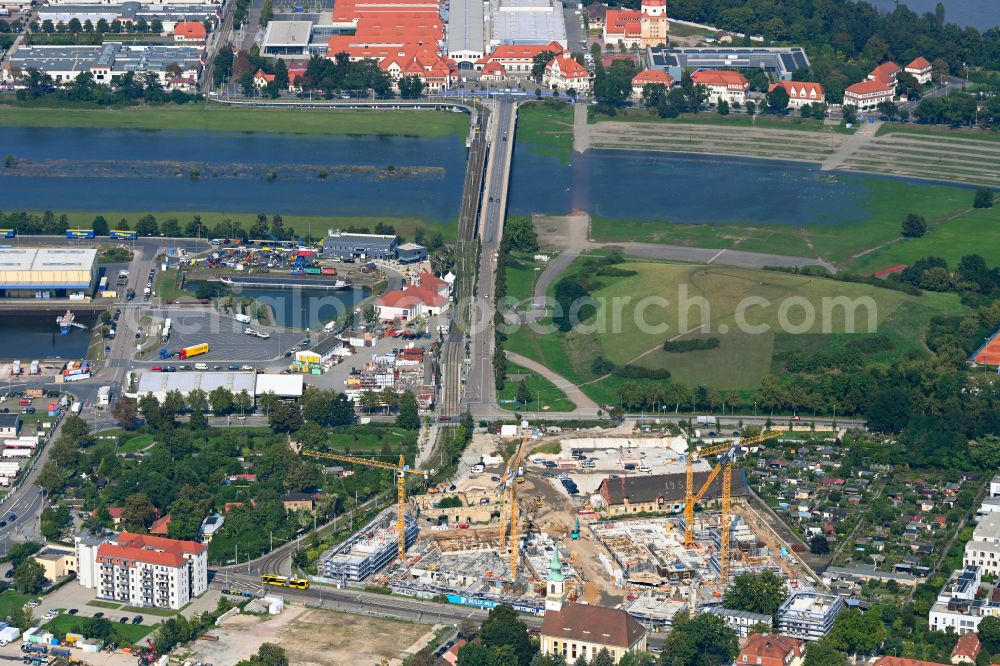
433	194
980	14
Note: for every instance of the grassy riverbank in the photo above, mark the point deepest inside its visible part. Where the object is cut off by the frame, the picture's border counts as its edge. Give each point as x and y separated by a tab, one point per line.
547	127
743	356
315	225
216	117
886	204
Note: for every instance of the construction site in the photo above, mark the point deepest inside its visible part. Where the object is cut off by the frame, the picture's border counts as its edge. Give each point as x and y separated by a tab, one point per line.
482	543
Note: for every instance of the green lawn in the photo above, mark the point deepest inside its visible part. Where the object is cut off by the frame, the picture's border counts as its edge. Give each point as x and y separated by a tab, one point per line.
217	117
545	396
522	273
314	225
166	286
742	357
370	437
887	202
546	128
137	444
159	612
938	131
790	122
976	231
11	599
131	633
104	604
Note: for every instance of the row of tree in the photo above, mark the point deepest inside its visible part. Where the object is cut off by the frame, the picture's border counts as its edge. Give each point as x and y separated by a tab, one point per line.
128	88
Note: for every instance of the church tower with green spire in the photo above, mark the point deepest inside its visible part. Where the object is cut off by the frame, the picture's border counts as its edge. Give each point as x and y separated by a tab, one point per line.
555	588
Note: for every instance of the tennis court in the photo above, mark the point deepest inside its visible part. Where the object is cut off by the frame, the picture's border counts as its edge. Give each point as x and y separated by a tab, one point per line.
989	354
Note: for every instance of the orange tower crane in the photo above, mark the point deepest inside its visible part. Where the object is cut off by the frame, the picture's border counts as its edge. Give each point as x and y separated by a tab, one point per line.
509	508
400	471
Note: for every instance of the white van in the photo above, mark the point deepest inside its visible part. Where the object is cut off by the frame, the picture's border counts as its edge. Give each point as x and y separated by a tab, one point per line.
645	468
201	366
478	468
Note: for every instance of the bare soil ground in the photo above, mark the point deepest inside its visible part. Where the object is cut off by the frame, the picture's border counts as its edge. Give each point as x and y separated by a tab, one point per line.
315	637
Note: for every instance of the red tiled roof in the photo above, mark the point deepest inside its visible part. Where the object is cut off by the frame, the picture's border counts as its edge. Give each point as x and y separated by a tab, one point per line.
902	661
623	22
886	72
968	645
177	546
115	512
720	77
431	281
652	76
800	89
261	75
568	67
919	63
127	556
770	646
597	624
522	51
189	30
412	296
868	88
494	68
160	526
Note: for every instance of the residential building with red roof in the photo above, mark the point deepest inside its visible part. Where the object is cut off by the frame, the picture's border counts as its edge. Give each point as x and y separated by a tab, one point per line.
451	656
623	28
143	570
885	73
722	84
161	526
115	513
771	650
648	77
417	300
966	649
189	32
261	79
493	71
518	58
564	73
866	95
801	93
921	69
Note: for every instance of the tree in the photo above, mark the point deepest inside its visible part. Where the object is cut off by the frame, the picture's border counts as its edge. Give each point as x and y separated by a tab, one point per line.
756	593
138	512
185	519
983	198
408	416
29	576
850	114
703	640
21	617
822	653
751	107
519	232
52	478
410	87
126	412
74	26
269	654
989	633
503	629
523	393
818	545
75	428
221	399
914	226
538	64
603	658
100	226
889	410
147	226
777	99
287	417
281	74
858	633
722	107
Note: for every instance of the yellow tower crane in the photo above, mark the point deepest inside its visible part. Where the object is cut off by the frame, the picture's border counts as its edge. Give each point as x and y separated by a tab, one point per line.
510	509
725	465
400	470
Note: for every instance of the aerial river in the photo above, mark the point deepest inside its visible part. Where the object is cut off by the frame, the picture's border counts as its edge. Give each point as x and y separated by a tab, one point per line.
197	171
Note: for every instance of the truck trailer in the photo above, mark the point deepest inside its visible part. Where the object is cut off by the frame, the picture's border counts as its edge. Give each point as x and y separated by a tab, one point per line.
194	350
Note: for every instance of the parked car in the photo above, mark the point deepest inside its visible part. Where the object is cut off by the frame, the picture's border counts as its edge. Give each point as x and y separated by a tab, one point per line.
137	619
73	611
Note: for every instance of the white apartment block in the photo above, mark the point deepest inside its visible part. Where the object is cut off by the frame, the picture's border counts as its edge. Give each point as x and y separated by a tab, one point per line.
143	570
995	486
983	550
808	615
957	609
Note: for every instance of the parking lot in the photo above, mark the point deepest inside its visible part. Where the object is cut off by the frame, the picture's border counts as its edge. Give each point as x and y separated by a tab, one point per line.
225	338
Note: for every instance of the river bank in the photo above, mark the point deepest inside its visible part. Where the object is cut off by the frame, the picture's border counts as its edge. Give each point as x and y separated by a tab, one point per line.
205	116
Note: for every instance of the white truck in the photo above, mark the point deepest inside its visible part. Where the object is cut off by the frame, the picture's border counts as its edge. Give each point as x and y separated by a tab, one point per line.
104	396
242	318
76	408
17	453
8	635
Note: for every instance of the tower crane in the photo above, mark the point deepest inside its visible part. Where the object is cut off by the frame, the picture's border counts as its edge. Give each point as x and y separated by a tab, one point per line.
725	466
510	509
400	470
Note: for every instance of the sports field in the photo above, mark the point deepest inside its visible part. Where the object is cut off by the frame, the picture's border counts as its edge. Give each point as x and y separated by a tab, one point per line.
744	355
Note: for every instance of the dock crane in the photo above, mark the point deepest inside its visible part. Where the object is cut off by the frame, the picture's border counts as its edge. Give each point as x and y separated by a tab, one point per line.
510	509
400	470
725	466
